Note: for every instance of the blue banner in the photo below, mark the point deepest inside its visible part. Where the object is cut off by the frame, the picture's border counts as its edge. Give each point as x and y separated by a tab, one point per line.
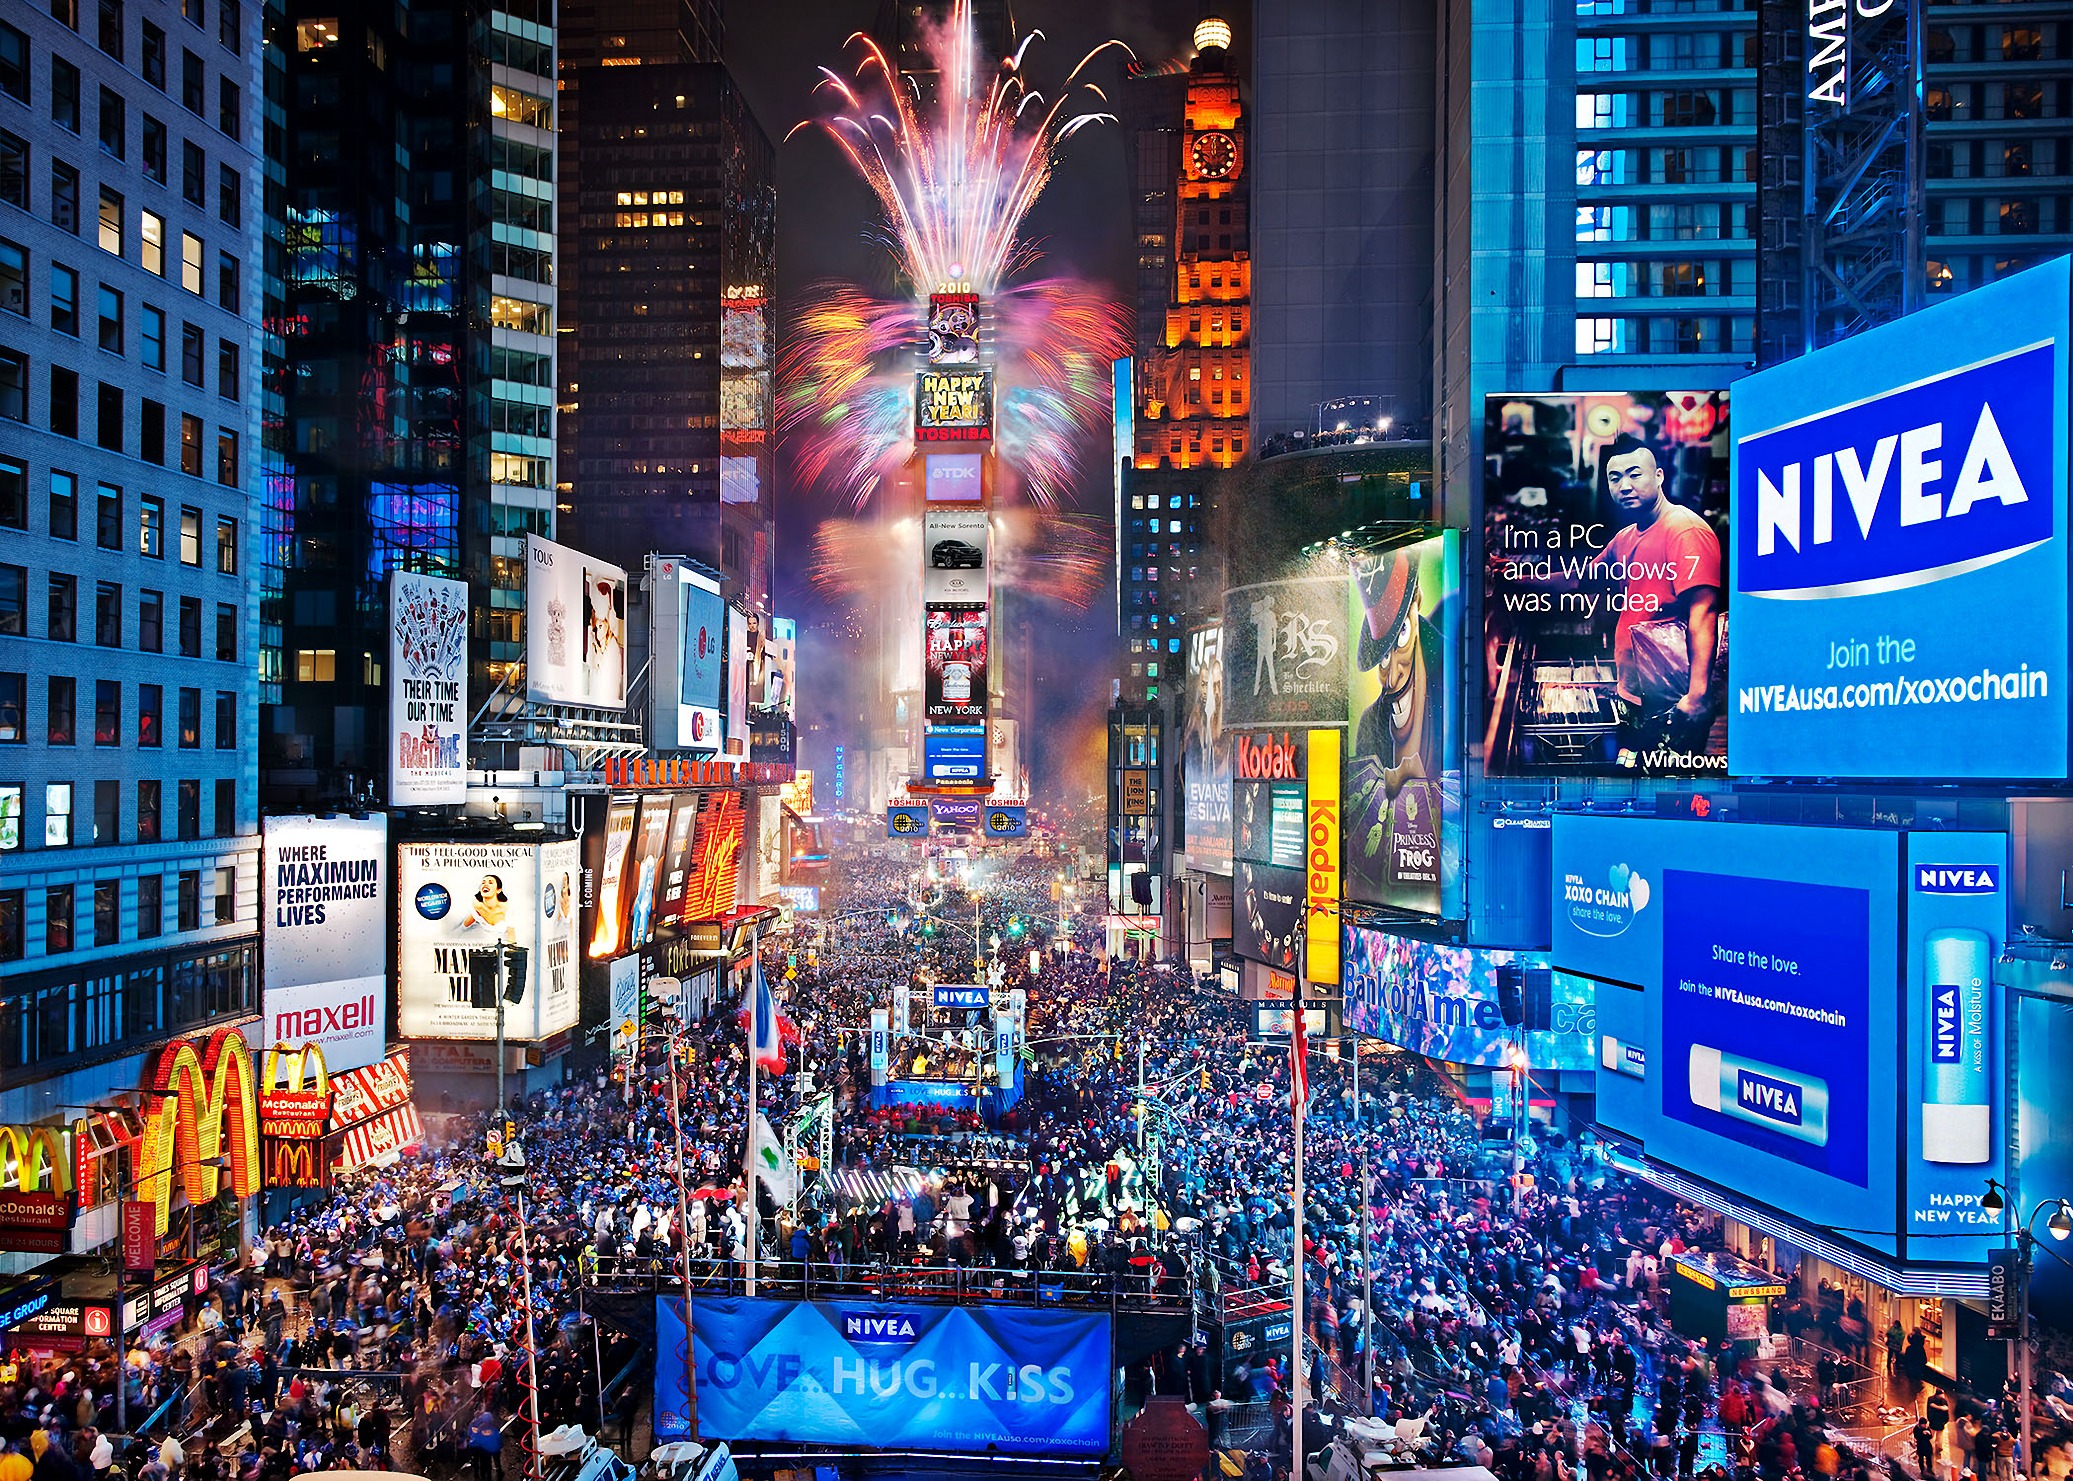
1441	1000
944	996
1900	547
889	1377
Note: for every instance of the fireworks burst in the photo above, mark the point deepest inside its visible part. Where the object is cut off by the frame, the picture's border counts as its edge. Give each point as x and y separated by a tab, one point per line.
848	383
955	185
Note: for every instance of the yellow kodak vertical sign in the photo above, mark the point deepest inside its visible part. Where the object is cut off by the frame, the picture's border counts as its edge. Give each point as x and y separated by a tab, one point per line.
1321	861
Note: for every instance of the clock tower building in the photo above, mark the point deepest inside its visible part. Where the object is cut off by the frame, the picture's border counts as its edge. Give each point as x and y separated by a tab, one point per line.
1193	377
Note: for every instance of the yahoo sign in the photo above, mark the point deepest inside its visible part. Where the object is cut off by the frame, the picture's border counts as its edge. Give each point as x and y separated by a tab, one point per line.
1900	555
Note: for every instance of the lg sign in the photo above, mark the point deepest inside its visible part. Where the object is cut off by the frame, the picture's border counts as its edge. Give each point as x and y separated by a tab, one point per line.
1270	758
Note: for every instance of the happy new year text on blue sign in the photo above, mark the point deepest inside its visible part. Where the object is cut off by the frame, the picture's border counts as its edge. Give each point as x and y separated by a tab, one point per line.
1900	549
896	1377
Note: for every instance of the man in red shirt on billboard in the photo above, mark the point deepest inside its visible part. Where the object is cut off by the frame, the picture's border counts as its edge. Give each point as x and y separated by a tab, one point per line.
1664	570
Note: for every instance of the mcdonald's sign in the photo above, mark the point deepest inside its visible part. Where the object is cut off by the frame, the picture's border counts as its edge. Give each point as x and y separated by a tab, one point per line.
299	1107
35	1189
294	1105
298	1162
206	1110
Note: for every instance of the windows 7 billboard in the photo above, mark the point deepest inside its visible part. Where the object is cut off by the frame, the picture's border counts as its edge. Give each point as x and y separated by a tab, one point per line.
1900	546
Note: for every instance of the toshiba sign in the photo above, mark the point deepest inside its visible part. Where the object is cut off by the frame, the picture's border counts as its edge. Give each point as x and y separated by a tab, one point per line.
1273	756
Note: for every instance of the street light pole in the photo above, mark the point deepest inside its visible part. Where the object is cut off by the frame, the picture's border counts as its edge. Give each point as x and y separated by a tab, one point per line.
2061	1226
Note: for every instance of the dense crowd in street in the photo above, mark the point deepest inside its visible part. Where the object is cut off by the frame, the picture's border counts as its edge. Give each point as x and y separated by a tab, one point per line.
1513	1306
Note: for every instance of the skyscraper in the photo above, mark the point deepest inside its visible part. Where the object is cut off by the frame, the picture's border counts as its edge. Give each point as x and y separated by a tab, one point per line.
1341	170
418	344
130	221
1185	139
1189	399
667	445
1634	268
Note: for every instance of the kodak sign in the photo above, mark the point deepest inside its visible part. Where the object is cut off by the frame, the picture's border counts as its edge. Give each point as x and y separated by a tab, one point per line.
1269	758
1321	860
201	1108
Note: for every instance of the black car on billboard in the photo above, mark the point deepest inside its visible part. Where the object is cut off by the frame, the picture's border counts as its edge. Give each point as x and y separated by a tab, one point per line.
956	555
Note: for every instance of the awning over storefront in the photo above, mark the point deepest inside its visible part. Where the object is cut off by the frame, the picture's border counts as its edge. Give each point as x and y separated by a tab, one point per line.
372	1111
385	1137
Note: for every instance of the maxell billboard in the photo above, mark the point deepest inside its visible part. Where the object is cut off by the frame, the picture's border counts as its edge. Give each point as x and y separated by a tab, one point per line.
324	898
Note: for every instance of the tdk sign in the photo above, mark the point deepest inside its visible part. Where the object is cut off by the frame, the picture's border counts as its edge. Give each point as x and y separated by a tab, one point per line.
1900	560
1957	879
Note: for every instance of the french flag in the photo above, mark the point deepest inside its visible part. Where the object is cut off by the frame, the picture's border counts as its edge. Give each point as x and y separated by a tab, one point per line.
769	1030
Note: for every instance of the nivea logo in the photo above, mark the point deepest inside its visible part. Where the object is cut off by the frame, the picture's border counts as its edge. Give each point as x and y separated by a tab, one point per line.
1957	879
1774	1100
879	1328
1929	481
1943	1035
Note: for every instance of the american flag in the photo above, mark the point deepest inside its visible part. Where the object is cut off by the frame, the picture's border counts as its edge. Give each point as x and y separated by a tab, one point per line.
1298	1063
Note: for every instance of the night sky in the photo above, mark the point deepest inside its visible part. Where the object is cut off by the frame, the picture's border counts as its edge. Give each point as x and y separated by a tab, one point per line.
825	220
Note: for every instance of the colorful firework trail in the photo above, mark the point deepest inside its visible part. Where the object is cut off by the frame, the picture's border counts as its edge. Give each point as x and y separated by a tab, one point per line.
953	182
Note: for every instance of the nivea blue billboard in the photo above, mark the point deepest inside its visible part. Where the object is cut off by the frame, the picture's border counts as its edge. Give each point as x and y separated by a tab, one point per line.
1900	549
887	1376
1957	923
1748	1019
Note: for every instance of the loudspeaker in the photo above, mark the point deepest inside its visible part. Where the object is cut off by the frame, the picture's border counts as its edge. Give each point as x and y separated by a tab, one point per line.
482	979
514	973
1510	1003
1540	999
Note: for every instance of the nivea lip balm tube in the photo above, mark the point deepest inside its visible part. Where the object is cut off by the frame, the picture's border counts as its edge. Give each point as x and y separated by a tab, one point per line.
1957	1101
1788	1102
1622	1058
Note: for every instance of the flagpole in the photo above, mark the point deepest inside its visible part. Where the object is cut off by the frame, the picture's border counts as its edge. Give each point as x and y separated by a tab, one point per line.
755	1041
1299	1072
676	1126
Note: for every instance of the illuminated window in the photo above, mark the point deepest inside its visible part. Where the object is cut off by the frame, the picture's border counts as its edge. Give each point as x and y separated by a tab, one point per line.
315	665
316	35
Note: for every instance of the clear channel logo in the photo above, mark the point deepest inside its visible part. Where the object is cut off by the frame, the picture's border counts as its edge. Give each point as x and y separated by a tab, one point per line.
1605	907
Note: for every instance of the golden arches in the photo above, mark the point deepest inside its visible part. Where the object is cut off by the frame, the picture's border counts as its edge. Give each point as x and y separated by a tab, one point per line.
304	1064
208	1109
28	1153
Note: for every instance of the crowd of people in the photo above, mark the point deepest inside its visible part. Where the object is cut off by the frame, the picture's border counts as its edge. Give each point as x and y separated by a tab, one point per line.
1512	1304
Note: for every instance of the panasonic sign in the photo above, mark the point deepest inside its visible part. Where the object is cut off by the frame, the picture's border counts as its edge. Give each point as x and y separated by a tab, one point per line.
1900	561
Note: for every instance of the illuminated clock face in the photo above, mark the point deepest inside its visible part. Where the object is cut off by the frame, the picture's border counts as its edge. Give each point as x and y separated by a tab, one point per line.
1216	155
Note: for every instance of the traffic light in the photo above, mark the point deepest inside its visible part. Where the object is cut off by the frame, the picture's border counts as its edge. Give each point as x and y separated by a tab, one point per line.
1014	925
1205	1078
